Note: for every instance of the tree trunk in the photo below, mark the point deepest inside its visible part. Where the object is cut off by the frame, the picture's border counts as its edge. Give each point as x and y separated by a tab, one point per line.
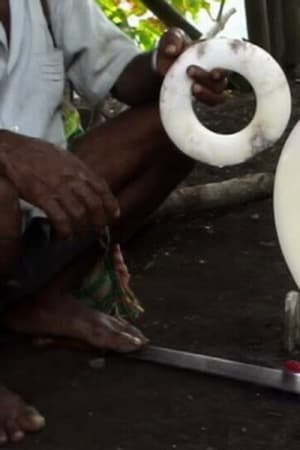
258	23
275	26
276	30
171	18
291	28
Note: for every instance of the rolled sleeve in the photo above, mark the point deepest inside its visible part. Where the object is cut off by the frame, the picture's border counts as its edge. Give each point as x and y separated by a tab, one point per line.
95	51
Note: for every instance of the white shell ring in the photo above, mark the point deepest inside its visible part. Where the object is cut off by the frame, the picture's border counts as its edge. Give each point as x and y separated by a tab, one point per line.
287	202
273	102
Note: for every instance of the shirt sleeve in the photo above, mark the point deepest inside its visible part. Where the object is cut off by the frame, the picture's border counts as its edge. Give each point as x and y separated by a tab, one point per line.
95	50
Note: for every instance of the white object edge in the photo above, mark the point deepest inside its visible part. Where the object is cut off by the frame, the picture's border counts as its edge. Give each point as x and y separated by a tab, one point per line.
287	202
273	107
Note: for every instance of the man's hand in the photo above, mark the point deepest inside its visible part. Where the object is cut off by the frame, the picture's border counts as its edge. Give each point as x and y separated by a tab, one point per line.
207	87
74	199
138	84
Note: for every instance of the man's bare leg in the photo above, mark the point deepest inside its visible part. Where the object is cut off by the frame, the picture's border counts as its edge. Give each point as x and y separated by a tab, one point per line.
139	162
16	417
141	165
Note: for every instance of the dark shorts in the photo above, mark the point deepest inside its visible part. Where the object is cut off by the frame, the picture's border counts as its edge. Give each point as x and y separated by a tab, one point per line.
42	257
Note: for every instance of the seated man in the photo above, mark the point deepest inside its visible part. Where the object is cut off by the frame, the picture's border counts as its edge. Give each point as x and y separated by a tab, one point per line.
114	176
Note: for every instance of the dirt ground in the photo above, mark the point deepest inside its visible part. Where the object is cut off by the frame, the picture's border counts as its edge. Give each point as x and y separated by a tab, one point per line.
213	284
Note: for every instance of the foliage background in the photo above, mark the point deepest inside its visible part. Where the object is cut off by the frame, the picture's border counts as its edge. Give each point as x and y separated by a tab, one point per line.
133	17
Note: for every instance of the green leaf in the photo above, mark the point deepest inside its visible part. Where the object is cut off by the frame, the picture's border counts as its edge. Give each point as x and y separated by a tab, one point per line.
139	23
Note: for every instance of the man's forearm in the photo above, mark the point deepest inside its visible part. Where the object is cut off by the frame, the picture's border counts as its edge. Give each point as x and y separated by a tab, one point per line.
138	83
5	143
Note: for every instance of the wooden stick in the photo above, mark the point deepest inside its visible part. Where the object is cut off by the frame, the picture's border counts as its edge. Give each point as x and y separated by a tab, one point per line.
194	199
220	25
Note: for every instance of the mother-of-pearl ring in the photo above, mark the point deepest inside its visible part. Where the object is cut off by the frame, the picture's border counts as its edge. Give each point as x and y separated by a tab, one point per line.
287	202
273	105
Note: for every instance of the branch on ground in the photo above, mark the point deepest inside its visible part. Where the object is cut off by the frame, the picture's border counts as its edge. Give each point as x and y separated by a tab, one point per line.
189	201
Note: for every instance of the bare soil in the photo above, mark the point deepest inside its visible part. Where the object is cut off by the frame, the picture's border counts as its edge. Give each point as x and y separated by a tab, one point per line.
213	284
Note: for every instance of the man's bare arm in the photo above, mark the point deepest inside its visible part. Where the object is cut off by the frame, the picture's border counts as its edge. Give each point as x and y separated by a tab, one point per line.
140	82
73	197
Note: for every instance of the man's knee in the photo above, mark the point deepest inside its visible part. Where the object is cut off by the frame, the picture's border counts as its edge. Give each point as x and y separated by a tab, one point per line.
10	214
166	149
10	224
150	115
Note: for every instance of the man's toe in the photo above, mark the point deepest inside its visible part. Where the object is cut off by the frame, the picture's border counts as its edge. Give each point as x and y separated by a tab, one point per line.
114	334
123	326
124	342
14	431
31	420
3	437
136	332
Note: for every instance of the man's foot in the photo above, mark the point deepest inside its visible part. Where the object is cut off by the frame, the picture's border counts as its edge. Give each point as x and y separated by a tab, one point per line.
61	315
16	417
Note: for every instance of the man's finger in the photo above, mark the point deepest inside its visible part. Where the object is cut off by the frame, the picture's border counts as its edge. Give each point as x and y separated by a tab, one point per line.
215	80
220	78
58	218
98	216
109	201
76	212
215	74
206	95
218	74
173	42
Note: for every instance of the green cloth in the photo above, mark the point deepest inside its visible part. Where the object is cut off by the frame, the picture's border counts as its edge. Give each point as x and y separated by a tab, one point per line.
102	289
72	122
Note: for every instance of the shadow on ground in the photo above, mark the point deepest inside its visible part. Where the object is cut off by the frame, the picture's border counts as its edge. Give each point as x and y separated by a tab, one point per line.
214	285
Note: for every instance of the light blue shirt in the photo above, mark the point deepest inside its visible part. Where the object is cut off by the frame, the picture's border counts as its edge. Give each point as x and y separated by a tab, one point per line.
91	52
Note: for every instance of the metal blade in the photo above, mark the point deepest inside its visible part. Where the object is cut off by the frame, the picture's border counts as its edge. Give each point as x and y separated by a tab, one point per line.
263	376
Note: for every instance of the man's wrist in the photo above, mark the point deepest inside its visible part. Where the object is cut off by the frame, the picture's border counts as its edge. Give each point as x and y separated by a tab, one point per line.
138	83
154	63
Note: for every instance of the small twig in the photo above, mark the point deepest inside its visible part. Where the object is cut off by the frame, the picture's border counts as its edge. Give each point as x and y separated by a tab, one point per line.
219	26
221	10
219	15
